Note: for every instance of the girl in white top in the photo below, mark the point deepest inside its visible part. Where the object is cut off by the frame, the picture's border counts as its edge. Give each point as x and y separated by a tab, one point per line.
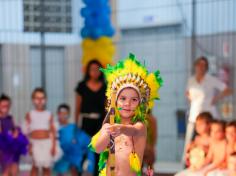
40	127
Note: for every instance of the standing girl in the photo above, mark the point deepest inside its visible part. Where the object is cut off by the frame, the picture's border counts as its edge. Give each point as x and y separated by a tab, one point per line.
41	130
131	93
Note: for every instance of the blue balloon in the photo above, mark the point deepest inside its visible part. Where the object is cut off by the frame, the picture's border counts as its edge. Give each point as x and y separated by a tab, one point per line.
85	12
87	2
97	19
103	20
96	3
97	33
89	22
109	31
85	32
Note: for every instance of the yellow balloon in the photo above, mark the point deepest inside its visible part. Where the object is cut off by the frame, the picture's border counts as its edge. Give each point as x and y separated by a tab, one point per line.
101	49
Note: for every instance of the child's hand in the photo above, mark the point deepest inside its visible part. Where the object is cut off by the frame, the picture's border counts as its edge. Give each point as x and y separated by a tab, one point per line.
114	130
15	133
53	150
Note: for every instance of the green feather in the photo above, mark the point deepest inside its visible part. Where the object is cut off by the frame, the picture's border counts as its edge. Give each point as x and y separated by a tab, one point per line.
140	114
90	146
158	77
103	157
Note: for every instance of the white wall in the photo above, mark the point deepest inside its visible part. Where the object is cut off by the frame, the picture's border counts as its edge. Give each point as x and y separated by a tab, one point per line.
139	13
212	16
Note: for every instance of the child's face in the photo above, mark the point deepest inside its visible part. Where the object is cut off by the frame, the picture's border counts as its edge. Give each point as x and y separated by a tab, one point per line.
230	134
217	132
128	101
39	100
232	163
202	127
63	116
5	107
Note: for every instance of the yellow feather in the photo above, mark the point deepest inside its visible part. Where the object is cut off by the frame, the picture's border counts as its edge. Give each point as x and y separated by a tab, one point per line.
94	141
103	172
134	162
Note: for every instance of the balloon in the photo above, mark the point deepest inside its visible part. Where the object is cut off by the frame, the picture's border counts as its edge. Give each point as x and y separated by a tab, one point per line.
85	32
97	19
98	32
85	12
109	31
103	49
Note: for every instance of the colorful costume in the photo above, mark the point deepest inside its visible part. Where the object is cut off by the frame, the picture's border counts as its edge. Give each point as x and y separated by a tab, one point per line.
41	148
130	73
13	143
74	142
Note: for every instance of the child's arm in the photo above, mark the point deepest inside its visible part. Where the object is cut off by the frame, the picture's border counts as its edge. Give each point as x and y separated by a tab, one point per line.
26	130
138	129
53	132
209	157
26	124
216	164
101	140
187	151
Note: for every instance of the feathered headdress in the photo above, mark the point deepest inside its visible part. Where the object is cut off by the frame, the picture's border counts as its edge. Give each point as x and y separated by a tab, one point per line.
131	73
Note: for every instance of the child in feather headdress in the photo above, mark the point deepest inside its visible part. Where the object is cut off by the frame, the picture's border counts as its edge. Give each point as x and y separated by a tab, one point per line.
135	90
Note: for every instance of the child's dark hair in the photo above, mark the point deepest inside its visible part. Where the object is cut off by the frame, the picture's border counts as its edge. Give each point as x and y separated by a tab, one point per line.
4	97
206	116
231	124
87	76
38	89
233	154
218	122
63	106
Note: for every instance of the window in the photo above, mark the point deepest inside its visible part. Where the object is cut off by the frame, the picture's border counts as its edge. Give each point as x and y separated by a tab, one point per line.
55	13
54	74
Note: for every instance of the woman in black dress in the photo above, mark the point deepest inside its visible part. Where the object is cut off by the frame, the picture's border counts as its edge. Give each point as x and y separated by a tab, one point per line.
90	100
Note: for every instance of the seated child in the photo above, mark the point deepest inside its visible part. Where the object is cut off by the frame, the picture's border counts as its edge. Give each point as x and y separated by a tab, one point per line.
130	92
12	142
231	165
216	157
73	142
230	131
197	150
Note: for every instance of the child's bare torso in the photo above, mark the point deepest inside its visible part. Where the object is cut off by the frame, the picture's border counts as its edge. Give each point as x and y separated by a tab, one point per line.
202	142
219	151
123	148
